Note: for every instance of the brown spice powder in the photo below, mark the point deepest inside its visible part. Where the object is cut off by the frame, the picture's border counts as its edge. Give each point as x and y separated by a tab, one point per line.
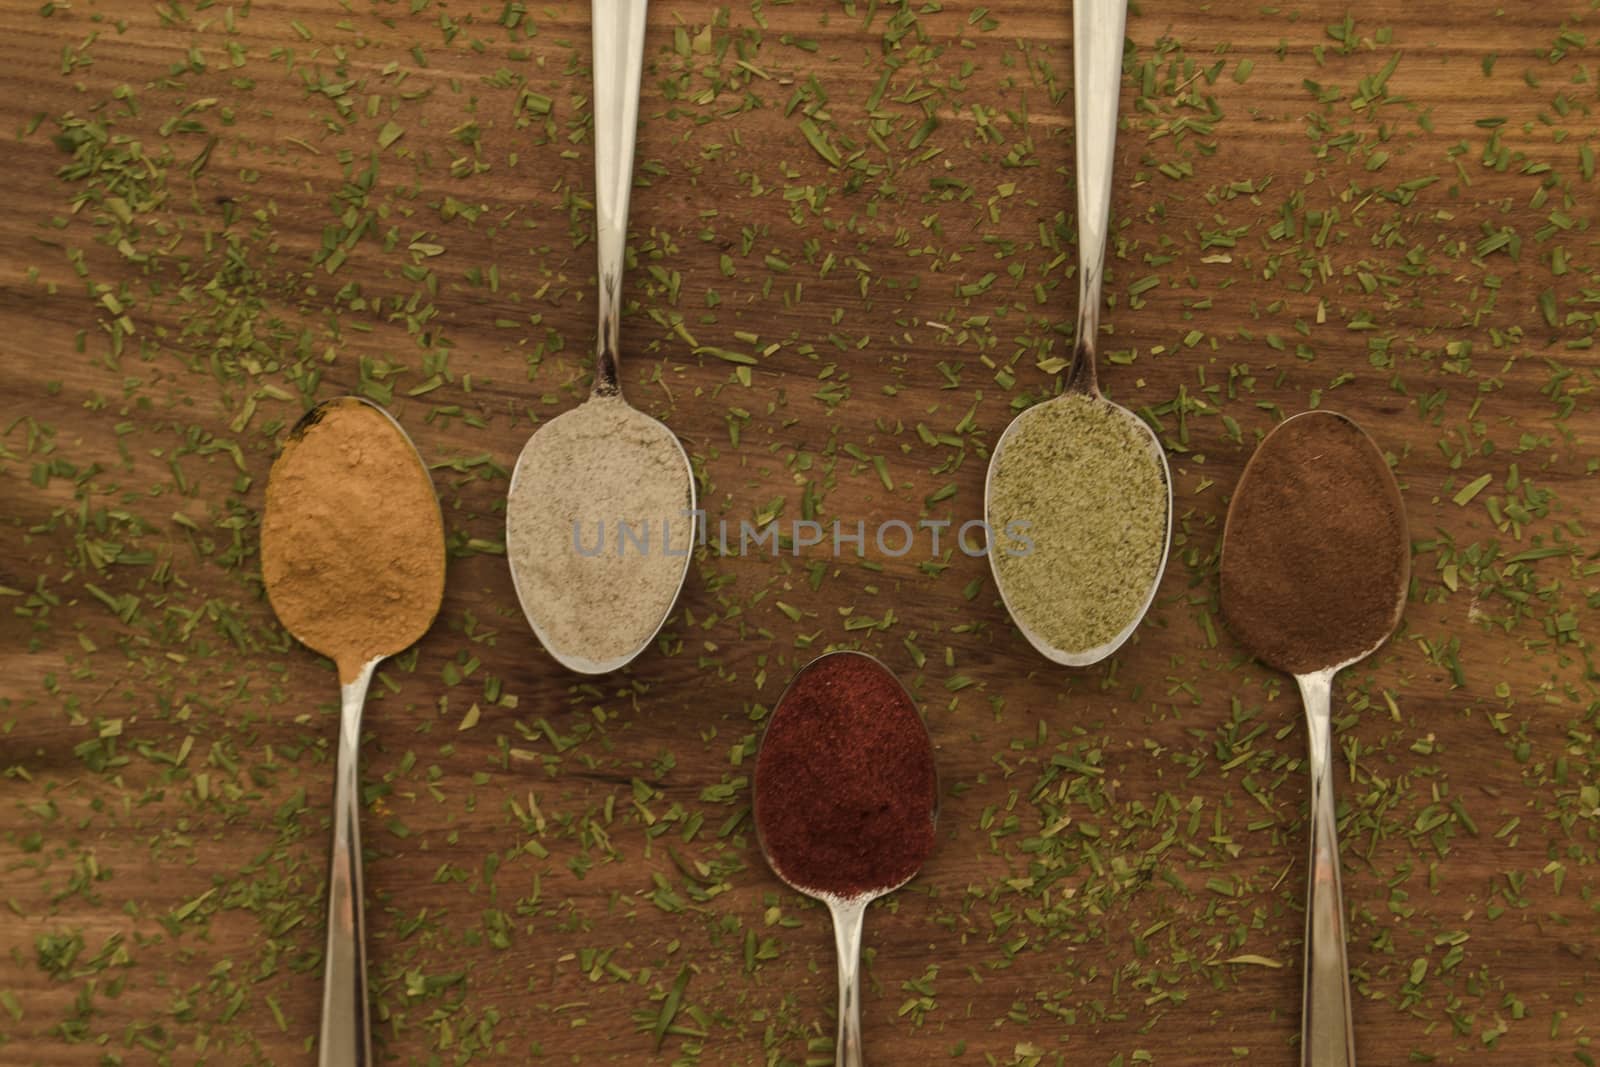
1315	556
352	543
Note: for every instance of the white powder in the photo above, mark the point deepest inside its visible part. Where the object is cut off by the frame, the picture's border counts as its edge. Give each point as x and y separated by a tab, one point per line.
595	599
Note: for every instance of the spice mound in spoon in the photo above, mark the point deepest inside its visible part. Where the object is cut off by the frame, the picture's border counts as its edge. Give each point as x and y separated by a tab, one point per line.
352	543
845	789
1081	474
597	531
1315	557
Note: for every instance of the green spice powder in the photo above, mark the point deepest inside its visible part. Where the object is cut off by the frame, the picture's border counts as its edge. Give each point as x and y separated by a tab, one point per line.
1084	480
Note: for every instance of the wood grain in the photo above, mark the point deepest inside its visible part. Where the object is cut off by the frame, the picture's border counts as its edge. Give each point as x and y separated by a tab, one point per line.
1110	839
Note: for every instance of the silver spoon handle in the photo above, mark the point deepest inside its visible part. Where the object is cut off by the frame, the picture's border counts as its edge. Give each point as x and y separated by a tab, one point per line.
346	1039
1098	27
618	68
1327	1032
848	916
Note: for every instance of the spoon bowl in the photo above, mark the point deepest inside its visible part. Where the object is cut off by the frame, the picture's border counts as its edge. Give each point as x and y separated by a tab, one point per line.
1142	443
849	892
545	596
1317	502
1273	561
325	627
384	572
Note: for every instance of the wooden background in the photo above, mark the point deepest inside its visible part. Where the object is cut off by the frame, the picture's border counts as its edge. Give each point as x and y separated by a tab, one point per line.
218	213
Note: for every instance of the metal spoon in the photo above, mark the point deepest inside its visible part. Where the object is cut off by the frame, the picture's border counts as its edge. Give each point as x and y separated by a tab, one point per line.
848	912
346	1038
1249	590
619	31
1097	36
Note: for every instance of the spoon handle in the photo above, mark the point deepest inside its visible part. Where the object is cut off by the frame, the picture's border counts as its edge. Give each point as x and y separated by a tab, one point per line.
618	68
1098	27
848	916
346	1040
1327	1032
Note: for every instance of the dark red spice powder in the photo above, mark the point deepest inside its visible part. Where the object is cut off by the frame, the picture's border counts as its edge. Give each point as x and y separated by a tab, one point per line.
845	789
